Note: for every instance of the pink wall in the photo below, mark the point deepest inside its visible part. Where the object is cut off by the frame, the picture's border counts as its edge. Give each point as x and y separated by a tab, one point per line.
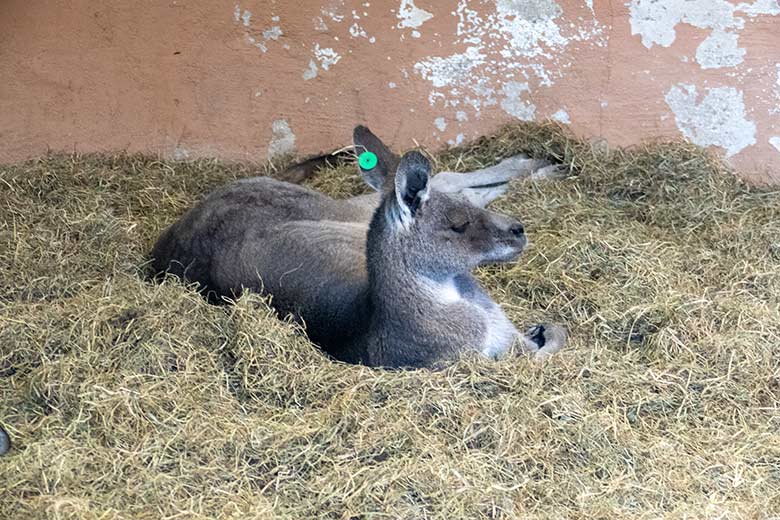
248	79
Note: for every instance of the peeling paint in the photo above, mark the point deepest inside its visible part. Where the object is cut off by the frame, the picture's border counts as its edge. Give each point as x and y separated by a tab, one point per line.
274	33
518	41
776	91
758	7
356	31
512	103
442	72
720	49
717	120
457	141
530	26
259	41
440	123
245	18
253	42
311	72
561	116
411	15
326	56
775	141
655	22
461	116
282	139
332	11
320	25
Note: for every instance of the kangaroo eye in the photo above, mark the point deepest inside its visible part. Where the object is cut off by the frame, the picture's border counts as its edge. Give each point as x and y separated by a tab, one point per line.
460	228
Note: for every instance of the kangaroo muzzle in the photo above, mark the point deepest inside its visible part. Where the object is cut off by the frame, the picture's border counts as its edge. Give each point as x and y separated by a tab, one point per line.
509	238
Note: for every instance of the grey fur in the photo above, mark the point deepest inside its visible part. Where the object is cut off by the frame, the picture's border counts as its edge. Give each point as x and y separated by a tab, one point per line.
383	279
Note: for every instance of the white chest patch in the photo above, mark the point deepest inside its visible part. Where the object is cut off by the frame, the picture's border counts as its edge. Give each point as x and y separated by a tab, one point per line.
448	292
444	292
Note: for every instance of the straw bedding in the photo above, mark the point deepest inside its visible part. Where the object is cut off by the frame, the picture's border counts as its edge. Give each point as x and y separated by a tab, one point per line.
128	399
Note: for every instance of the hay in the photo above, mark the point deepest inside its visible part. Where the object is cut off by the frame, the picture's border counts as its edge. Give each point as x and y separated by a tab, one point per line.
126	399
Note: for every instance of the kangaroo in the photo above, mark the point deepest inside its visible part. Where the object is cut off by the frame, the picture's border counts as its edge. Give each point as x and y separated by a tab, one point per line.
381	279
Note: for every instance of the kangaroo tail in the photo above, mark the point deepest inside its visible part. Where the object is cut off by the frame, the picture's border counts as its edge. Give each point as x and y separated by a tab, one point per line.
299	172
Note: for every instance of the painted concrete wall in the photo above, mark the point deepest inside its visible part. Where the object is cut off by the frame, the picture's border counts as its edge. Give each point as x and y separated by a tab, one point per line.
250	79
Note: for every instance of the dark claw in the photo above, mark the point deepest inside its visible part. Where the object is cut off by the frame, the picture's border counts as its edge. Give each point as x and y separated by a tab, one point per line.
537	335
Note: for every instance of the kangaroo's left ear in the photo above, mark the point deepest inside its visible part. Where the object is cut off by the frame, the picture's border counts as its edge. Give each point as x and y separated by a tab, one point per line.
411	186
386	163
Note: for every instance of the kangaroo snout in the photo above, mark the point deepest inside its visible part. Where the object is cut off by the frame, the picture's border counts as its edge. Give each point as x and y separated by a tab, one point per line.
517	229
511	230
509	239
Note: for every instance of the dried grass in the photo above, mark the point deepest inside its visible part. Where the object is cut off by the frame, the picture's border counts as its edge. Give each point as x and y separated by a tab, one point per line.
126	399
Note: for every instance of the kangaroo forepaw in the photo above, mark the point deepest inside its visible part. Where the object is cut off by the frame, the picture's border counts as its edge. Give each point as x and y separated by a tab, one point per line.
544	340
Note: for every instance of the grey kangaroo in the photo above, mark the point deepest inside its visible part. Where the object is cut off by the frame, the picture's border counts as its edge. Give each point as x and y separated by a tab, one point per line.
381	279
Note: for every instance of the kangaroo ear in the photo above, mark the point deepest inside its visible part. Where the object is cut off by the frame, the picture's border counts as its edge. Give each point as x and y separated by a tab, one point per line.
411	185
387	161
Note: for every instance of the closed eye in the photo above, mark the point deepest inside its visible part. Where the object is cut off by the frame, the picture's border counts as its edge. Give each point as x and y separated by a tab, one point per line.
460	228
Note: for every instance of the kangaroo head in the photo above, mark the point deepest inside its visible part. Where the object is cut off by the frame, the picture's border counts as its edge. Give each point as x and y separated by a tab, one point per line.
437	234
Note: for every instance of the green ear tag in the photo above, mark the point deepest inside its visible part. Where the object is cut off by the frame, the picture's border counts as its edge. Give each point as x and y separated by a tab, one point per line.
367	160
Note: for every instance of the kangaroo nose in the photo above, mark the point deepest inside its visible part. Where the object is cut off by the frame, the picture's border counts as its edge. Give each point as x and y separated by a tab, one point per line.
517	229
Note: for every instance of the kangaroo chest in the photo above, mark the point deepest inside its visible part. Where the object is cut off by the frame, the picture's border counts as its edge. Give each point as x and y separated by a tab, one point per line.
497	332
